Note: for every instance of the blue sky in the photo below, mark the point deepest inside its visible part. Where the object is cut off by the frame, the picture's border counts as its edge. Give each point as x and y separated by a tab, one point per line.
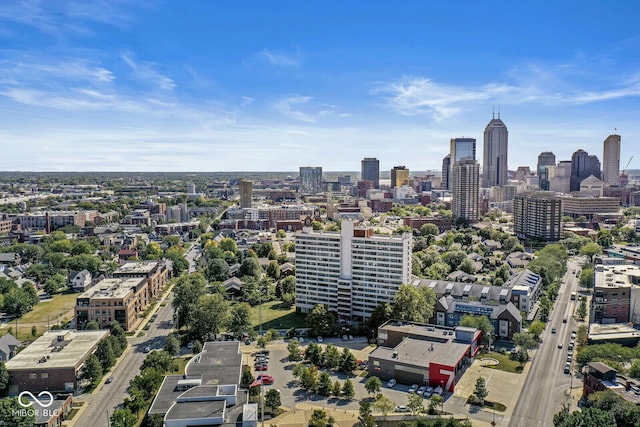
117	85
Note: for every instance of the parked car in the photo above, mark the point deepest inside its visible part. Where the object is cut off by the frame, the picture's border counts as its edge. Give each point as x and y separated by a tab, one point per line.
567	368
190	345
428	392
413	388
262	367
320	339
401	408
421	390
569	357
109	380
391	383
147	349
438	390
266	379
559	345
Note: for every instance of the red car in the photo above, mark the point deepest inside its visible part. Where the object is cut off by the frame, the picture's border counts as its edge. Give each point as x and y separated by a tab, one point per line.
266	379
262	367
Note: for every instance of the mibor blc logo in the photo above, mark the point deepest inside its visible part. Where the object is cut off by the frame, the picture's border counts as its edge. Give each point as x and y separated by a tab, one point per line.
33	399
28	401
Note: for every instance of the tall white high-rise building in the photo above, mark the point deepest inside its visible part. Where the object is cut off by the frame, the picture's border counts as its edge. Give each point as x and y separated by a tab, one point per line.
611	160
351	271
494	163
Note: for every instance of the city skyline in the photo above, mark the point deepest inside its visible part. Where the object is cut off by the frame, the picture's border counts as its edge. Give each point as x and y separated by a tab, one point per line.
234	86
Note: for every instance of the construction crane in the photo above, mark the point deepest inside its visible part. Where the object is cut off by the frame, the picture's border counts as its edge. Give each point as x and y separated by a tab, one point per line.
624	179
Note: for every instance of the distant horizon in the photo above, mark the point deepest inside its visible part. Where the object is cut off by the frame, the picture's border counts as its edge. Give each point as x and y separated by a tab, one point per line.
195	86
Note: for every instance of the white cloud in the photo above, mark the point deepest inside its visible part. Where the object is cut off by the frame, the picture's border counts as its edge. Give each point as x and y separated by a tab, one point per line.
145	71
290	107
281	59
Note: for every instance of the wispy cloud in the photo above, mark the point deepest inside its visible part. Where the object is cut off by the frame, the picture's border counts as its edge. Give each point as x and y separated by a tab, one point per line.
281	59
419	95
146	72
290	107
529	84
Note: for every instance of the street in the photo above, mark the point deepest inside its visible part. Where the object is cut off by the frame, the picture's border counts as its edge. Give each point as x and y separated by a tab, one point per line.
546	387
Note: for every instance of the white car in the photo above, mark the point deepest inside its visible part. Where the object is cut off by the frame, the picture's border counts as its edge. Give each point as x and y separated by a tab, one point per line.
401	408
413	388
391	383
421	390
320	339
438	391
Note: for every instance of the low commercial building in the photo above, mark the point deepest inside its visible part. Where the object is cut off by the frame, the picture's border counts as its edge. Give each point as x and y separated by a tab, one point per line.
53	362
415	353
208	393
156	274
601	377
616	294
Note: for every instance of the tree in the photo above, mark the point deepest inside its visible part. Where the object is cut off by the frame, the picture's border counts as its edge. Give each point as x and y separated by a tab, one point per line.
92	369
536	328
522	356
105	354
480	391
247	377
294	350
4	377
587	277
433	404
187	290
381	313
217	270
197	347
135	402
272	400
210	316
480	322
171	345
384	404
286	286
331	357
324	384
313	353
123	418
239	319
34	331
309	378
11	414
320	320
92	325
273	270
414	304
155	420
587	417
319	418
467	266
415	404
373	385
336	389
55	283
348	391
582	309
348	362
250	267
366	418
453	259
524	340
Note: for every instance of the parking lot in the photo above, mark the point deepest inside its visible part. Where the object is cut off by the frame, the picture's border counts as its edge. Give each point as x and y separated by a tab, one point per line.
291	395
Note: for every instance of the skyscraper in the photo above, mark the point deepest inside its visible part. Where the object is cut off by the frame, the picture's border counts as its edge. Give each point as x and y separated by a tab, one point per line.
310	179
370	171
399	176
461	149
494	165
583	165
466	189
546	158
246	193
537	215
446	172
611	160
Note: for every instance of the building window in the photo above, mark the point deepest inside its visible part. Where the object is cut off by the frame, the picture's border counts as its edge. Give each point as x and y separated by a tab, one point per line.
44	375
33	376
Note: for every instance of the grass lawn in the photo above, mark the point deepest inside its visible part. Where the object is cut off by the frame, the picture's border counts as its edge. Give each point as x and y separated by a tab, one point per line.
275	317
506	364
58	305
182	362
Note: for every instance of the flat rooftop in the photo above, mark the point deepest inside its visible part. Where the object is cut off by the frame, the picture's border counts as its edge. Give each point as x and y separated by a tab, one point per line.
421	352
427	331
219	363
112	288
617	276
612	331
198	410
141	267
56	353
